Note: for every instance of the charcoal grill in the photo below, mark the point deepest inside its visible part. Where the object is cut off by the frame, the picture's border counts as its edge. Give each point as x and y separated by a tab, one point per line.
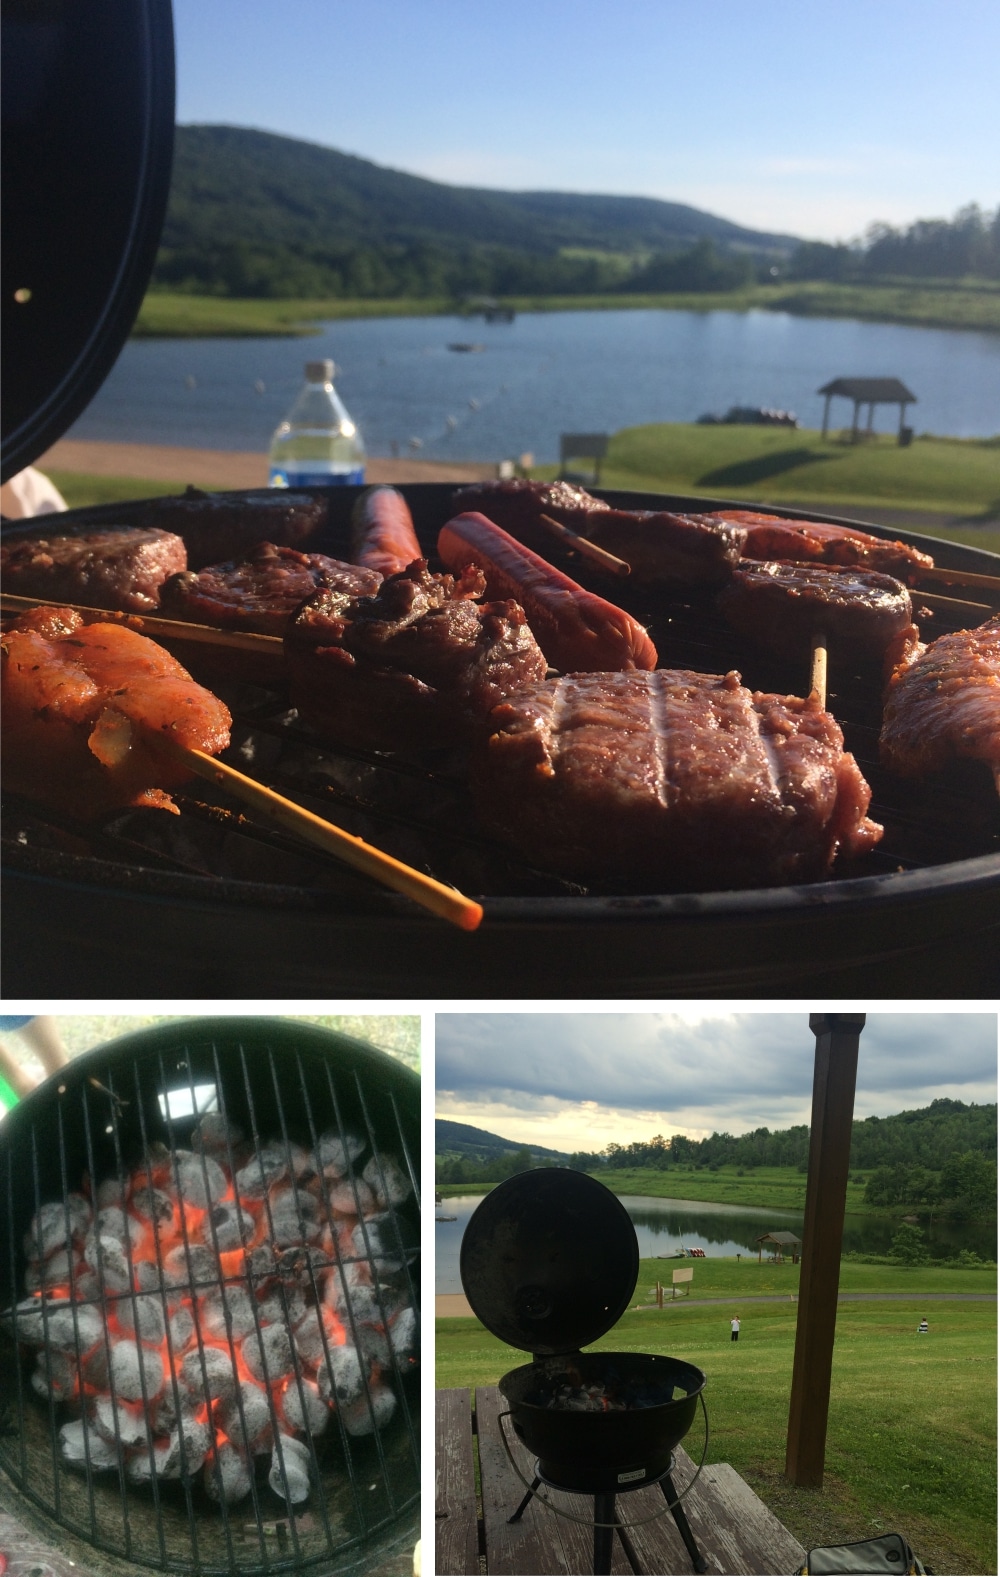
213	904
339	1492
549	1262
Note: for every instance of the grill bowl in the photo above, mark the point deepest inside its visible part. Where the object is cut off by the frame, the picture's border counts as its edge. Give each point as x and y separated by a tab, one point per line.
923	920
593	1452
277	1080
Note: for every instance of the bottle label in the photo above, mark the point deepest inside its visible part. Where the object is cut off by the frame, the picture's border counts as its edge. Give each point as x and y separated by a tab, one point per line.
285	476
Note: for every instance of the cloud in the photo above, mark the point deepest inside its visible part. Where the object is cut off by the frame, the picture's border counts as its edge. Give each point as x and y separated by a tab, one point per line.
643	1073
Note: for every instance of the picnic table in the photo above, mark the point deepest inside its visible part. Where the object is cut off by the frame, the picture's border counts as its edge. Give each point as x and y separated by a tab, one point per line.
734	1530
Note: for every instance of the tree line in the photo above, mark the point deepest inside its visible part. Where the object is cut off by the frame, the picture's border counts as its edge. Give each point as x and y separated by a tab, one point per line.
967	246
942	1155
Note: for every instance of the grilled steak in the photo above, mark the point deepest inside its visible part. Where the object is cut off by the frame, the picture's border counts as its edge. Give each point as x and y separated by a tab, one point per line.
671	780
262	591
783	605
815	542
419	663
118	567
944	701
218	526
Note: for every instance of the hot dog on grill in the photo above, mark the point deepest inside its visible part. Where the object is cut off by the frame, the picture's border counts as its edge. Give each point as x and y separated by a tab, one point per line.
382	534
578	631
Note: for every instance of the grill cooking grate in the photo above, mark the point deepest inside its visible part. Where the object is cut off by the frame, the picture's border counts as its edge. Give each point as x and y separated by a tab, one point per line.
306	1131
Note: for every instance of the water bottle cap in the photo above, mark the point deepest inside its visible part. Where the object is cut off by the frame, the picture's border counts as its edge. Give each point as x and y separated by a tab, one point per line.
319	371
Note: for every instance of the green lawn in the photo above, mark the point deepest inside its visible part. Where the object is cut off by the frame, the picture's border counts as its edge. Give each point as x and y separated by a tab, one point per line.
745	1278
971	304
772	1187
911	1441
959	476
80	489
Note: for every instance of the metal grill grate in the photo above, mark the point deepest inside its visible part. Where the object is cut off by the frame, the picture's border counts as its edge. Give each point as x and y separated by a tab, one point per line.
311	1452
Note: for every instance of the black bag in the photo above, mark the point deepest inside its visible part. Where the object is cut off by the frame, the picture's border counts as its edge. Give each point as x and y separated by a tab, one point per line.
868	1558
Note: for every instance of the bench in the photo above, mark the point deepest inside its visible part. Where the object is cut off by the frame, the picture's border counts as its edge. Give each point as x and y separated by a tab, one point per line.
733	1529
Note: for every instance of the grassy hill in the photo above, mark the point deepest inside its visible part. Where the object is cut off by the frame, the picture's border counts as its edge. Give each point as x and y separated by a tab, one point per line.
480	1145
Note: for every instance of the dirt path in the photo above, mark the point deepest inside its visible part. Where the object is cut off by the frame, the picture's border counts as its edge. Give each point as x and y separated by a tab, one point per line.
223	467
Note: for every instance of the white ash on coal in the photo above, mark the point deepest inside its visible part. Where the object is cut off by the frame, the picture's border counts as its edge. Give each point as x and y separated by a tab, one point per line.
613	1395
219	1305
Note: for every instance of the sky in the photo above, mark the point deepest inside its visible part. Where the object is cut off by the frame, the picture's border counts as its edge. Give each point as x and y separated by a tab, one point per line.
797	116
580	1081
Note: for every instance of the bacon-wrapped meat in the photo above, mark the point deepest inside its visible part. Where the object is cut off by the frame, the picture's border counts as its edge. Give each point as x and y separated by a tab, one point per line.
943	701
783	605
672	780
82	704
816	542
421	663
262	591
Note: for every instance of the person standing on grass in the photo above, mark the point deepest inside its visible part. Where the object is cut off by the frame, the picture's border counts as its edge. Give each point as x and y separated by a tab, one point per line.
734	1326
923	1328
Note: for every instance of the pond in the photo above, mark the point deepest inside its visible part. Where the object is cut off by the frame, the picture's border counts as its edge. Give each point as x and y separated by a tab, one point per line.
544	374
664	1226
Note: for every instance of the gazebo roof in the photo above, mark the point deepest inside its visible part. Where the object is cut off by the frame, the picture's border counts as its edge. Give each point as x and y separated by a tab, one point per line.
871	391
779	1237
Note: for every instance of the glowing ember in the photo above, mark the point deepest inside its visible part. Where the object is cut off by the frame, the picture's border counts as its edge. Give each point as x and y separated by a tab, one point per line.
221	1304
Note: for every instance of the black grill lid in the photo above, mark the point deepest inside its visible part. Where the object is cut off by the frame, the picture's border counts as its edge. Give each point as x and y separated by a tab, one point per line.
88	127
549	1260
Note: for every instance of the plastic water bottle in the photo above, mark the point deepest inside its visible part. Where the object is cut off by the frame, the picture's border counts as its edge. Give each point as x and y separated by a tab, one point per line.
317	444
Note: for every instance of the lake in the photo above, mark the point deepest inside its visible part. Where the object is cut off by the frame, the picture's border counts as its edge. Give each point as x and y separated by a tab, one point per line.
663	1226
544	374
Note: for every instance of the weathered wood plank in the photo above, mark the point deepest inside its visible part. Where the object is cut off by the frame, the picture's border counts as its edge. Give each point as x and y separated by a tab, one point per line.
456	1528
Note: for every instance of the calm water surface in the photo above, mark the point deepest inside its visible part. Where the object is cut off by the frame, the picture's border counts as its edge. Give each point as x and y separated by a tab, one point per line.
542	375
663	1226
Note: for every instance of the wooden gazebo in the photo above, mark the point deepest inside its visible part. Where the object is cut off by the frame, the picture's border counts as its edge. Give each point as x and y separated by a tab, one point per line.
870	392
782	1242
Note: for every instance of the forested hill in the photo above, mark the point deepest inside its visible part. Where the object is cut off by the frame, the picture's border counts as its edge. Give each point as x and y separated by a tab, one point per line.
254	213
479	1144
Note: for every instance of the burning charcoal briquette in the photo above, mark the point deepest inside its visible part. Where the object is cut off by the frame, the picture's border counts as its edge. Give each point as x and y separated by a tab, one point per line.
268	1165
114	1222
341	1377
350	1196
309	1335
209	1372
293	1456
388	1241
56	1375
229	1227
55	1224
153	1204
137	1371
143	1316
303	1407
228	1313
270	1355
246	1415
284	1304
389	1183
334	1153
80	1445
108	1260
226	1475
180	1326
292	1215
118	1421
199	1179
403	1332
190	1265
370	1412
51	1272
216	1135
111	1192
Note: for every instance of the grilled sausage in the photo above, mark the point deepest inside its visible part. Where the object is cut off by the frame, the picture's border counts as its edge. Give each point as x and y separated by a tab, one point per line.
382	534
578	631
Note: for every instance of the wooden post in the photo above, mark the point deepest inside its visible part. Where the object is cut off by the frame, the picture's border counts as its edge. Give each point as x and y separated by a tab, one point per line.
835	1074
826	416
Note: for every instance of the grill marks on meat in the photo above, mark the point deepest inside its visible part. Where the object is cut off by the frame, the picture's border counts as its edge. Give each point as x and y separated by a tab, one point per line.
78	702
220	526
673	780
943	701
782	606
263	591
814	542
119	567
420	663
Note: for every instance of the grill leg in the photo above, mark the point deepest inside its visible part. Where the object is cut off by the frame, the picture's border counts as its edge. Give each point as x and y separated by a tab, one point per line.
519	1513
604	1536
683	1526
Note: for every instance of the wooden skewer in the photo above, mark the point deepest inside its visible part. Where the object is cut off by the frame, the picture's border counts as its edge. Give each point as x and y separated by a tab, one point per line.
961	577
149	624
952	604
817	673
441	900
586	548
